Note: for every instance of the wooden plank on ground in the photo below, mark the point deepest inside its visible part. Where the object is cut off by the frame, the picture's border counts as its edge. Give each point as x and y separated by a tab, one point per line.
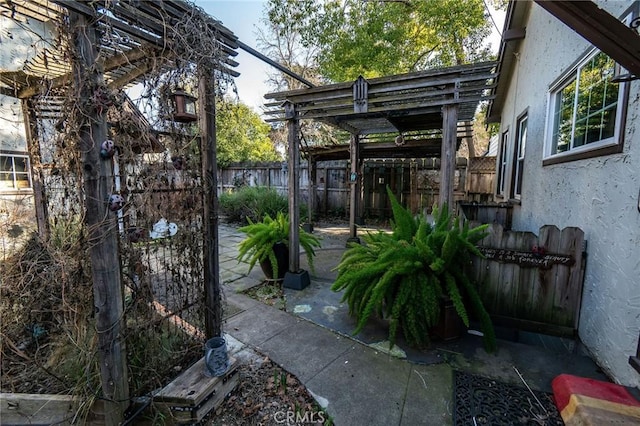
192	387
35	409
195	415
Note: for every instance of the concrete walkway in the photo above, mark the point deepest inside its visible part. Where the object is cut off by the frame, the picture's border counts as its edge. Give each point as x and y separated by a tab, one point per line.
360	384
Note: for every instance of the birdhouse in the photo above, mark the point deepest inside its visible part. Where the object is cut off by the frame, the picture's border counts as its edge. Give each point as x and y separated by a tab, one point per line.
183	107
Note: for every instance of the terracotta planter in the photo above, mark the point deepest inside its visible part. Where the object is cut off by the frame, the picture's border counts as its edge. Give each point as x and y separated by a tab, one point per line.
282	256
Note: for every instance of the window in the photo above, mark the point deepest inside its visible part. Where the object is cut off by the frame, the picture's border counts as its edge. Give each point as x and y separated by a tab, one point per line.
518	157
502	163
586	112
14	172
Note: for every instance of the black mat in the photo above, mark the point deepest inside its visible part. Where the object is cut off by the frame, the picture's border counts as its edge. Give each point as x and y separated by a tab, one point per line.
482	401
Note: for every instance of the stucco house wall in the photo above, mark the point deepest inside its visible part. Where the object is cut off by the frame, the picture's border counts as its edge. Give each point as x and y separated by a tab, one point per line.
599	195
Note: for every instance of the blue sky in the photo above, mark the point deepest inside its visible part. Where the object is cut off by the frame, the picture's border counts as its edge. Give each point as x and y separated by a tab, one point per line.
242	17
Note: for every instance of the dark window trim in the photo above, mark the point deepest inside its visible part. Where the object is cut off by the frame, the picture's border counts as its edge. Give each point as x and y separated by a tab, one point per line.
516	149
503	152
597	152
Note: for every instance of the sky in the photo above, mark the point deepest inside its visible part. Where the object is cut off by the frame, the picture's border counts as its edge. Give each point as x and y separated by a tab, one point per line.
243	17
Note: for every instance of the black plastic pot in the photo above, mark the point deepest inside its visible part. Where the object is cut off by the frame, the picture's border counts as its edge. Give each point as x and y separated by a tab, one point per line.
282	256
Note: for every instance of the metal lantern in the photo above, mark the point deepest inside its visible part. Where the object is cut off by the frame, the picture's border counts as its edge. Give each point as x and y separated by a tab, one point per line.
183	107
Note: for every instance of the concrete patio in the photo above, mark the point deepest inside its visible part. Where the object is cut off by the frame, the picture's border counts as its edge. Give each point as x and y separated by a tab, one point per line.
355	378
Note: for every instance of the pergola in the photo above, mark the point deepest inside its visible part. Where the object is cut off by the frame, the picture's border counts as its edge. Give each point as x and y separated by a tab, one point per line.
422	113
117	44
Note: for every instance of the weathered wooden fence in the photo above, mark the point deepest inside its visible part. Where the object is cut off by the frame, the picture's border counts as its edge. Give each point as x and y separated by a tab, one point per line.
414	182
530	282
481	173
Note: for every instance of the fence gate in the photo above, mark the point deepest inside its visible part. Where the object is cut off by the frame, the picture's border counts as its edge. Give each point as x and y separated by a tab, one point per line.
533	283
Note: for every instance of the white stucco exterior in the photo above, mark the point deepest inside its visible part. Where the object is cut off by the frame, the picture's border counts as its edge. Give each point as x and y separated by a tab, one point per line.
600	195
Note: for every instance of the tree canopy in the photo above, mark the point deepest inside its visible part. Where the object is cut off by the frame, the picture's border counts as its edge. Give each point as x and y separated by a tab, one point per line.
242	135
375	37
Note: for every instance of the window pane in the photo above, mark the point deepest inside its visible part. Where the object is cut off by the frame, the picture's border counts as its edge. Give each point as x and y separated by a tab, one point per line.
586	107
581	129
22	180
523	137
609	123
566	99
519	178
522	142
502	163
20	164
6	165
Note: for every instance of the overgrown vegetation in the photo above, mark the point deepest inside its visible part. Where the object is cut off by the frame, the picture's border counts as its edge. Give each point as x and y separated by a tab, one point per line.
403	276
49	339
253	203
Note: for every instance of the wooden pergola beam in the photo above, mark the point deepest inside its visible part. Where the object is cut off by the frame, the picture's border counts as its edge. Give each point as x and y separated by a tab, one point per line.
600	28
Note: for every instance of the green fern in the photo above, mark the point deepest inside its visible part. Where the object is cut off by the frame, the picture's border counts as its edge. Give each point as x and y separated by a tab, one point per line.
262	236
402	276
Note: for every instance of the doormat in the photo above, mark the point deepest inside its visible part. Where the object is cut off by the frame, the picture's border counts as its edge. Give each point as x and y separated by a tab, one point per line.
482	401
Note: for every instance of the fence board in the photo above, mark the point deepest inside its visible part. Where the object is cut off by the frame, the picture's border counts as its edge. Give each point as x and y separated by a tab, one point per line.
549	237
532	282
415	183
526	279
569	279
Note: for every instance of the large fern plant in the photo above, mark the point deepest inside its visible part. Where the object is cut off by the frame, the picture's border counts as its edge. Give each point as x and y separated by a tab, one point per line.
402	276
262	236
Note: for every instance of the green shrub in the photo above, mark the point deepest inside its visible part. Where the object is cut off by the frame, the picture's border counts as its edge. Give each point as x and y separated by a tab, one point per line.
254	203
403	276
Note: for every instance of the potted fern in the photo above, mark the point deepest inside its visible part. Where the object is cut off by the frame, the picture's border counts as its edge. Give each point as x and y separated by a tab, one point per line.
404	275
267	243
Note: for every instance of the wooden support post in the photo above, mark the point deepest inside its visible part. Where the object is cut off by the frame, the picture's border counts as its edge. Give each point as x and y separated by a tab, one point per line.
448	156
294	185
326	190
37	177
360	191
354	181
313	170
101	223
414	198
212	293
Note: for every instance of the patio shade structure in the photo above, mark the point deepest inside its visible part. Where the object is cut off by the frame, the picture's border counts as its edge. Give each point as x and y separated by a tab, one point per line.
428	110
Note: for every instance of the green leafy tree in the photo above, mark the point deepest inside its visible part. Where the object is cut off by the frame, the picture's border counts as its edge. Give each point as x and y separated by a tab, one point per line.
242	135
375	38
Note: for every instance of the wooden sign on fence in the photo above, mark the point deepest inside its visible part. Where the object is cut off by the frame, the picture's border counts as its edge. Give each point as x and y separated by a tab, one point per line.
532	282
527	258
